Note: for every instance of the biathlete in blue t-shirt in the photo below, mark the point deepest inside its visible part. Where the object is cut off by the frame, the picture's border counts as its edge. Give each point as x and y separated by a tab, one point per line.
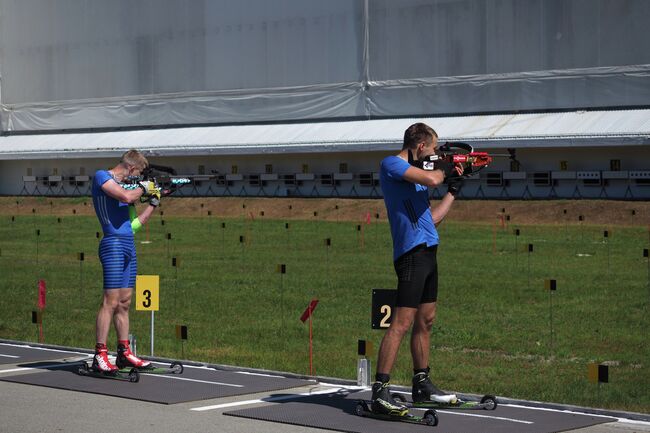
116	212
415	240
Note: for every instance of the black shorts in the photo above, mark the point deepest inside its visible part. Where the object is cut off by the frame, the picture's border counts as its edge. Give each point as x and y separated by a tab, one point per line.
417	276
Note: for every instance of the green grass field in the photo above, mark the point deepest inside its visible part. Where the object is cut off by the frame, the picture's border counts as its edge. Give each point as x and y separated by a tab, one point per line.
492	335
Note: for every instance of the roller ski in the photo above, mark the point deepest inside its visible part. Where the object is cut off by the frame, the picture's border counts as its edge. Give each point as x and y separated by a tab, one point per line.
488	402
174	368
426	395
126	361
101	367
383	407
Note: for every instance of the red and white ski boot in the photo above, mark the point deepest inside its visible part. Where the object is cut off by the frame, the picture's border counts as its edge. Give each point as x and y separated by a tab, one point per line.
126	358
101	363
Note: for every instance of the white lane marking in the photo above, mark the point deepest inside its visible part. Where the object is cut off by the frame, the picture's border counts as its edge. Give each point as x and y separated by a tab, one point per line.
348	387
25	346
198	367
40	367
500	418
548	409
633	421
258	374
9	356
262	400
193	380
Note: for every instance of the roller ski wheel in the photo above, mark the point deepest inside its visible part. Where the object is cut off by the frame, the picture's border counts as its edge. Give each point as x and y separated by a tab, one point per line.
131	375
488	402
429	418
174	368
134	376
177	367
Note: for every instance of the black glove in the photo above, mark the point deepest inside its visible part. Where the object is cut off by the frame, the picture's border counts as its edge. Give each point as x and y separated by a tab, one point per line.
432	162
447	167
154	200
454	185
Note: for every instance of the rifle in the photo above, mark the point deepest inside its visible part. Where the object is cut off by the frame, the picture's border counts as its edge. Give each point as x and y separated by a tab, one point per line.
456	152
162	176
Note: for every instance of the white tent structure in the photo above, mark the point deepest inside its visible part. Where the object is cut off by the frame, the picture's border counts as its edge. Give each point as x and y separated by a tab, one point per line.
210	85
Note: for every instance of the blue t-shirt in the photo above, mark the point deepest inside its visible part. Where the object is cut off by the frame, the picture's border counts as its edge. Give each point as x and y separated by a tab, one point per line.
113	215
407	204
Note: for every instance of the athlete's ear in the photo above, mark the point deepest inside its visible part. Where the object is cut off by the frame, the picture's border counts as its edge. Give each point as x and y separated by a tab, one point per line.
420	149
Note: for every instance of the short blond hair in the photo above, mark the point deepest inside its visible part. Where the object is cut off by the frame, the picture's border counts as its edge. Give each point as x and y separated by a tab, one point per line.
135	158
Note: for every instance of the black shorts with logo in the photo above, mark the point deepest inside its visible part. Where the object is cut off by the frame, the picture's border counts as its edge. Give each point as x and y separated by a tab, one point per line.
417	276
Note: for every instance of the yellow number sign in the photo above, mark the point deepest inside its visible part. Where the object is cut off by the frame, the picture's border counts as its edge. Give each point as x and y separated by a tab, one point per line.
146	292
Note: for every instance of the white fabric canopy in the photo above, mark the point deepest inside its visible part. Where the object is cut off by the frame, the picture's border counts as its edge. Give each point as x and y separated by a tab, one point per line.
590	128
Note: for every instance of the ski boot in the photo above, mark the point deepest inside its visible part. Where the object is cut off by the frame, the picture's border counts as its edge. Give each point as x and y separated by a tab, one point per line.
101	363
423	390
383	403
126	358
101	367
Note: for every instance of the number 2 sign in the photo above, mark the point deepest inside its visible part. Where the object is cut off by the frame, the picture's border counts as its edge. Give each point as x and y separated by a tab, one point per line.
147	292
383	304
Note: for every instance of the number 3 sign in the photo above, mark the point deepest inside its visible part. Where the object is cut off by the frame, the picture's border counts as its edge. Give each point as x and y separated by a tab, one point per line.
383	304
146	292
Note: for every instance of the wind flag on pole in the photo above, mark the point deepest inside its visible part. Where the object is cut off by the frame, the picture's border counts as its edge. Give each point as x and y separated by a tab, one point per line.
42	289
310	309
307	315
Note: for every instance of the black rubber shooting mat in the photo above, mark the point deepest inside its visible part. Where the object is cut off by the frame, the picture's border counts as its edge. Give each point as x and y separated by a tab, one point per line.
337	412
13	354
193	384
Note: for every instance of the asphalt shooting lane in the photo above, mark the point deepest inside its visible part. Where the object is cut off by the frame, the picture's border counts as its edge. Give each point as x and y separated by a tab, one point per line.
298	406
196	382
336	411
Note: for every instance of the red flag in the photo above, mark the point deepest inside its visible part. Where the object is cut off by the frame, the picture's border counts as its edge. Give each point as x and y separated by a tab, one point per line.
41	294
368	218
310	309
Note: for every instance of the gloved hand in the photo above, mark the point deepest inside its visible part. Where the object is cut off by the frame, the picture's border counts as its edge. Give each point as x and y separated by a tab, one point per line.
448	168
154	200
432	162
149	188
454	185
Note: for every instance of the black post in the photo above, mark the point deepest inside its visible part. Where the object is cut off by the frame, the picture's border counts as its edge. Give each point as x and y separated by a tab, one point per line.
80	256
282	269
551	287
530	250
517	233
38	234
645	254
328	244
223	236
606	239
